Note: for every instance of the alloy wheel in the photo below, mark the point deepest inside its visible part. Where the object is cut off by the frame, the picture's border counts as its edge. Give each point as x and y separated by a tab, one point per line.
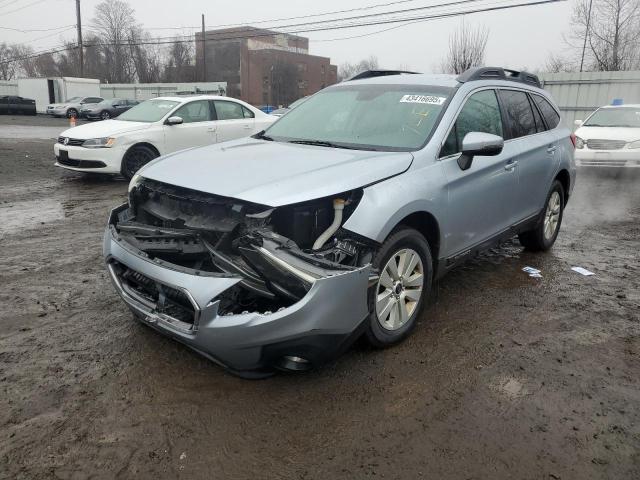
136	159
399	289
552	215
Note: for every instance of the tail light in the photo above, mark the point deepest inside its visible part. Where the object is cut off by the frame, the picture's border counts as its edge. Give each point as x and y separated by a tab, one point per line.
573	139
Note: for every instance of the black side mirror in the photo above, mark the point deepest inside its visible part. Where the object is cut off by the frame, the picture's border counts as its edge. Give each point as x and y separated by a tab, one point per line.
479	143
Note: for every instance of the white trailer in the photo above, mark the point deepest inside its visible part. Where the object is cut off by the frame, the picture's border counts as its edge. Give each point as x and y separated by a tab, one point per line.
56	90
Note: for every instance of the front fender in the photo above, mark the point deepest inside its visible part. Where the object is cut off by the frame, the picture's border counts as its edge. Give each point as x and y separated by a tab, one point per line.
385	204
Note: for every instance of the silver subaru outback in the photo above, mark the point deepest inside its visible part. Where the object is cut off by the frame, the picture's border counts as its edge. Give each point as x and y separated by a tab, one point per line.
279	250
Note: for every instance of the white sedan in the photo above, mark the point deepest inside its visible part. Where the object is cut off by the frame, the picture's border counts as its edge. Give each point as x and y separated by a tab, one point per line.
153	128
609	137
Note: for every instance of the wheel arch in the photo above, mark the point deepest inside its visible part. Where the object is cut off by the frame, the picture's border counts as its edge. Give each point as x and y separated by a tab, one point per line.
142	144
564	178
131	147
427	224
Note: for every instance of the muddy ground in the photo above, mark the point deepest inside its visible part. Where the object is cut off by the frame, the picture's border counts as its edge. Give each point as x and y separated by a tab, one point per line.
505	377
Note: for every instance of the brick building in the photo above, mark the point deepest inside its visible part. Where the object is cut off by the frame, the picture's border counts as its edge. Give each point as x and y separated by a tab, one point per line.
262	67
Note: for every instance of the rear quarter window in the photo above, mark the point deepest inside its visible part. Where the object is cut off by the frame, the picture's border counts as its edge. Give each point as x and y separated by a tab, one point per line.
548	112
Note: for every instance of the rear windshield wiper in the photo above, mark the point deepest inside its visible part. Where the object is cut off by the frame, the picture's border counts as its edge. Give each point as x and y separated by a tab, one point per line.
262	136
323	143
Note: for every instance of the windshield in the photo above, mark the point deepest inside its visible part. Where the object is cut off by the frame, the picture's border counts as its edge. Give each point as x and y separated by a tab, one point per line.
367	117
148	111
615	117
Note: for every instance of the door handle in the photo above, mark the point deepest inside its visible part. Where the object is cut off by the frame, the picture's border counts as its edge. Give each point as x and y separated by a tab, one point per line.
212	129
552	149
511	165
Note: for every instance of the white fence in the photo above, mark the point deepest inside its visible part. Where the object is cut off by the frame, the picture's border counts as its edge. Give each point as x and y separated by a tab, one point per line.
144	91
580	93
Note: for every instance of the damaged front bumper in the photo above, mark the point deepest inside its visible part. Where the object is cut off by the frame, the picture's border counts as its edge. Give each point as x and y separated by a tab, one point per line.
314	329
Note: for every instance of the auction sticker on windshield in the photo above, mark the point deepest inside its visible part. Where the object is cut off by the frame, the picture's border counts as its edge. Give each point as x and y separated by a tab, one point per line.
430	99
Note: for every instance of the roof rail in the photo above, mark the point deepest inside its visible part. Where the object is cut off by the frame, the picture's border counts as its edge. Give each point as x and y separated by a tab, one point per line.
379	73
498	73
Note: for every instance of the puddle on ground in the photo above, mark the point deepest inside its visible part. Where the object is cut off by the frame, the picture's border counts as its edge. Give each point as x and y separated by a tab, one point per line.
28	214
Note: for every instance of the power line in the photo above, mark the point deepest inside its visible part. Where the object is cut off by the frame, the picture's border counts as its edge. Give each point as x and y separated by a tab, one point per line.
36	29
260	33
48	35
409	21
293	28
23	7
258	22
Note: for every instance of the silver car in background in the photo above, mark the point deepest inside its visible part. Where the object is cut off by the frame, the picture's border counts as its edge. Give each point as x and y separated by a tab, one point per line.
71	108
279	250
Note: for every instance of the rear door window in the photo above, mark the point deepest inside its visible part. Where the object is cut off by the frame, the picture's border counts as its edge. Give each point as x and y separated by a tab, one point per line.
550	114
228	110
518	113
480	113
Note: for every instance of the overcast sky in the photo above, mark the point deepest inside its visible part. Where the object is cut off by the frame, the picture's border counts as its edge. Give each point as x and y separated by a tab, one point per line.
517	37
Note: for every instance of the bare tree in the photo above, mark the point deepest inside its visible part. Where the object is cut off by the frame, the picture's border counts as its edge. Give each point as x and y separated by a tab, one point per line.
114	21
179	64
466	49
348	70
8	70
611	30
557	63
145	59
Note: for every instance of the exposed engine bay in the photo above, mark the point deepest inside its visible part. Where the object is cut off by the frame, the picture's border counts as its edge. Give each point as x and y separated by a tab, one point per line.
276	252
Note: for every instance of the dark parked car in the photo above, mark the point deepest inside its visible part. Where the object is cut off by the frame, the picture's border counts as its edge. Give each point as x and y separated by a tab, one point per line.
10	104
107	109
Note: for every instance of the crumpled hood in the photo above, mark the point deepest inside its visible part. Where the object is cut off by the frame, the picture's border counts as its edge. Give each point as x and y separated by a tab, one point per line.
609	133
106	128
274	173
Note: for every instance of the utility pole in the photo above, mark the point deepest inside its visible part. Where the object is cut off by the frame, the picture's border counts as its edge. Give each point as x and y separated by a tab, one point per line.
81	48
586	34
204	53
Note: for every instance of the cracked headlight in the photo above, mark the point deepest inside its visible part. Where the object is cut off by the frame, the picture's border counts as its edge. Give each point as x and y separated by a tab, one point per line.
105	142
635	144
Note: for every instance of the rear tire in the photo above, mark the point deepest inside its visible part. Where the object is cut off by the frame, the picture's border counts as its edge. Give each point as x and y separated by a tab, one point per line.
135	159
544	234
396	301
72	113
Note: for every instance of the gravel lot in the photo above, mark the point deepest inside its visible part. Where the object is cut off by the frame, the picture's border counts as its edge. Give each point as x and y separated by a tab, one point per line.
505	377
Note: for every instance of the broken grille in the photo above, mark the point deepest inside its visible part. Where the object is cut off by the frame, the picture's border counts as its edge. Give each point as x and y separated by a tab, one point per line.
164	299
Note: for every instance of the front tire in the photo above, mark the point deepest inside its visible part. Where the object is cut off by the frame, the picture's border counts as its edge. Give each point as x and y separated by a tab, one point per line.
544	234
105	115
395	303
135	159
